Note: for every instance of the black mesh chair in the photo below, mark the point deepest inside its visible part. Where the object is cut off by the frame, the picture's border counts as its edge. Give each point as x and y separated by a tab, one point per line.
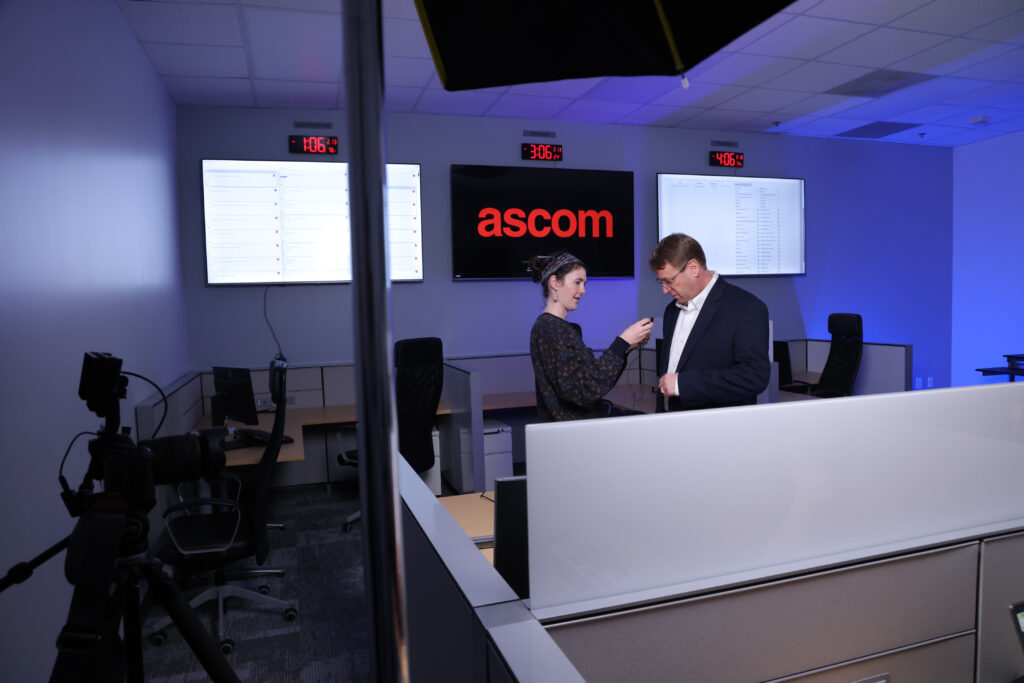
209	534
843	362
419	378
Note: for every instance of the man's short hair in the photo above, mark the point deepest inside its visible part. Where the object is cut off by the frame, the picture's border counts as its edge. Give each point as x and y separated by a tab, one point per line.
677	249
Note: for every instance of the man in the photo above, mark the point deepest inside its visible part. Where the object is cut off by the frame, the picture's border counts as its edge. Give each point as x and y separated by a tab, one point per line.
715	337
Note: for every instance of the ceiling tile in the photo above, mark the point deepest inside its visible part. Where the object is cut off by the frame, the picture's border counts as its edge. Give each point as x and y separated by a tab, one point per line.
634	89
1009	29
463	102
183	23
401	99
301	46
1009	125
758	32
964	137
995	115
817	77
573	87
214	92
408	71
399	9
956	17
212	61
284	94
915	97
1001	68
744	69
328	6
594	111
867	11
812	105
999	94
806	38
528	106
763	99
826	127
700	95
922	135
947	57
404	38
718	119
653	115
935	112
882	47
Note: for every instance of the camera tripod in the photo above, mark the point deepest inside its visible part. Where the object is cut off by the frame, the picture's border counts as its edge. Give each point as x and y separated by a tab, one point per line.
108	548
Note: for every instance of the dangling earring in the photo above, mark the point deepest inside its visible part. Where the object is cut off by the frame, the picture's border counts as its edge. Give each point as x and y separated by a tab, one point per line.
554	297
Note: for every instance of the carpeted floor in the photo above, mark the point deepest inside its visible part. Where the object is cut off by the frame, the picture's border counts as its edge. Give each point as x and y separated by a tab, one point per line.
328	641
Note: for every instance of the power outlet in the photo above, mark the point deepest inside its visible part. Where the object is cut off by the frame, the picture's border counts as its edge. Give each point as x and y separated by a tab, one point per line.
931	382
917	382
264	404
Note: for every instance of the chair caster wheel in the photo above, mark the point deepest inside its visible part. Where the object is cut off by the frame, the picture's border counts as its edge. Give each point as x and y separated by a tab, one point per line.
227	646
291	614
265	590
158	638
346	527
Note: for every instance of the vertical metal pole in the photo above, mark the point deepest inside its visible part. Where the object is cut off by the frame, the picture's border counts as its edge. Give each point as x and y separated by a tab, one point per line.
382	547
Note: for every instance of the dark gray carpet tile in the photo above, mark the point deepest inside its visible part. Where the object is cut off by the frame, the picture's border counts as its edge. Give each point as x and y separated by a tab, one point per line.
324	576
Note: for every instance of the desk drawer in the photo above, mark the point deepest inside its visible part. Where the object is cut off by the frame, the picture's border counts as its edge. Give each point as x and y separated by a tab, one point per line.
780	628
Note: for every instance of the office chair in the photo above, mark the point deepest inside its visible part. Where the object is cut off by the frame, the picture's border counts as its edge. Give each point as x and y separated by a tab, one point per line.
780	351
211	533
843	362
419	378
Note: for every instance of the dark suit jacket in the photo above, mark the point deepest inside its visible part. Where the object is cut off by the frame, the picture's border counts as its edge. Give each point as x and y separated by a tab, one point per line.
725	360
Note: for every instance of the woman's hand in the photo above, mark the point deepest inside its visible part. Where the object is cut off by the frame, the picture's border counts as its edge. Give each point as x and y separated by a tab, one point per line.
638	333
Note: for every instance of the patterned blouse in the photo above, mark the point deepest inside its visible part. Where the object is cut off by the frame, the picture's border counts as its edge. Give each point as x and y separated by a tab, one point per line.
570	382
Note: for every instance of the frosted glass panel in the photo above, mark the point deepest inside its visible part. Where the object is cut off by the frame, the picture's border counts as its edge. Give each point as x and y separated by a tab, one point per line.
634	508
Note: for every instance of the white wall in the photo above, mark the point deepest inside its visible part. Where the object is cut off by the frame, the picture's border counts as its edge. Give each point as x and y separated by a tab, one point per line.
988	239
90	262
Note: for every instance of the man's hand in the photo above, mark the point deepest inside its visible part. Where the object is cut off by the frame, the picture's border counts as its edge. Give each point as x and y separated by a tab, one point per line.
667	384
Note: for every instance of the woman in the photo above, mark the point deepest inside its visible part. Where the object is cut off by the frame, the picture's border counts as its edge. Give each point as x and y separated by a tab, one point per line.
570	382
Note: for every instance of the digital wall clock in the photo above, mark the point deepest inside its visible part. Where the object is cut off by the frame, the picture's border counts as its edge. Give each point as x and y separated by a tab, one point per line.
313	144
542	151
731	159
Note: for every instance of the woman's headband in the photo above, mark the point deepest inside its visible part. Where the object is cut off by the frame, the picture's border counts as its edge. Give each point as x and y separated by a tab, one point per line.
556	263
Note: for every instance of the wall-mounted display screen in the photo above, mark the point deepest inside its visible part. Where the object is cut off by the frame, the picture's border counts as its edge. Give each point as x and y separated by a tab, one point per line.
503	215
274	222
747	226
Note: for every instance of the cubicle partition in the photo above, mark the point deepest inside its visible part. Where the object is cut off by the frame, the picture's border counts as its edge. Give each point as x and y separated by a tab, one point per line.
760	542
464	622
883	367
461	432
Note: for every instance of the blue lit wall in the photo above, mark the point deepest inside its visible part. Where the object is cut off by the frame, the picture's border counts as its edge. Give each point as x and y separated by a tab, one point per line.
91	262
988	240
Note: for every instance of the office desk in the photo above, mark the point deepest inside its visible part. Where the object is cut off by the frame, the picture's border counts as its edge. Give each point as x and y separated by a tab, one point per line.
475	515
294	420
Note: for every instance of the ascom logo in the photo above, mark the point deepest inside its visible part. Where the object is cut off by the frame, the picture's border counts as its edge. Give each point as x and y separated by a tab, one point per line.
541	223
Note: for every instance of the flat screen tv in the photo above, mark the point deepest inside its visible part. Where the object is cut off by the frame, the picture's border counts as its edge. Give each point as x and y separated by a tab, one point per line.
747	226
287	222
503	215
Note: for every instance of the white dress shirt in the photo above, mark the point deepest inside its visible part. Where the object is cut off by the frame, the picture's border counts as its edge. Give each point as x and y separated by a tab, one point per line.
688	313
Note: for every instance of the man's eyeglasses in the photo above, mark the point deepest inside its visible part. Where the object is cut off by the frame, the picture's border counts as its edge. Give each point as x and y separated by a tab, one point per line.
668	281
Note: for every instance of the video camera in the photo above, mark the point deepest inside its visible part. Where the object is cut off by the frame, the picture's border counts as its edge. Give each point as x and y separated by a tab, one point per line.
107	553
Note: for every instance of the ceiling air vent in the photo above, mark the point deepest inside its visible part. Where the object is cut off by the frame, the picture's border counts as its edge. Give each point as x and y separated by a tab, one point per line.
879	83
878	129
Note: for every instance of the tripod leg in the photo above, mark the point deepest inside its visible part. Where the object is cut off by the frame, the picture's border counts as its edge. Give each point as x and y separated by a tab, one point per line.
129	594
198	638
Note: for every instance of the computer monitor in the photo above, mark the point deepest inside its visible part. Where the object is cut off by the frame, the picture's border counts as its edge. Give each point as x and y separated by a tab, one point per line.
233	398
511	546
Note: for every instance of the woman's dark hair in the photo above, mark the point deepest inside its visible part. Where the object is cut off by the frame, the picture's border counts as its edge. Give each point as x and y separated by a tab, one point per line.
539	264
